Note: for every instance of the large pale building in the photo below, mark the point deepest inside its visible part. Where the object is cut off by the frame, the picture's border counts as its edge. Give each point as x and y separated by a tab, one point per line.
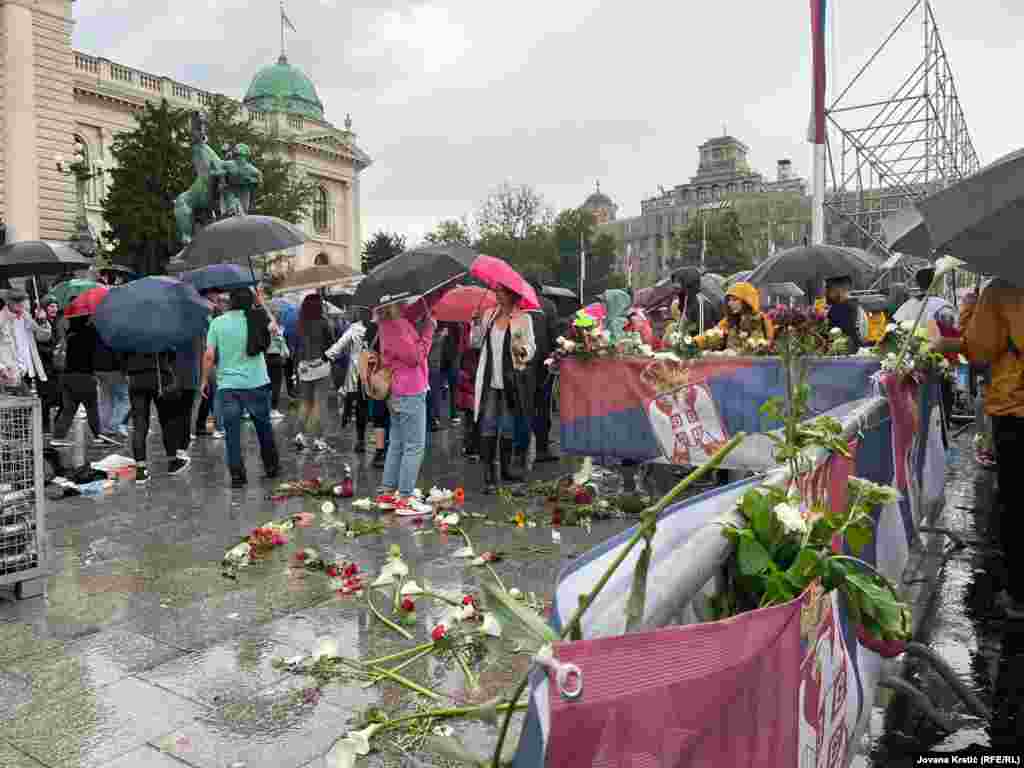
644	241
52	96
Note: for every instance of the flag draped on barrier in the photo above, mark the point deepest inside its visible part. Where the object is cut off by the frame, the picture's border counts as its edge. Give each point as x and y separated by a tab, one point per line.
786	686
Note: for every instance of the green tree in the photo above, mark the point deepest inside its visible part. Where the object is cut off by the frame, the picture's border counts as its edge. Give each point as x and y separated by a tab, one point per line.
379	248
450	232
575	227
725	253
514	223
767	219
153	165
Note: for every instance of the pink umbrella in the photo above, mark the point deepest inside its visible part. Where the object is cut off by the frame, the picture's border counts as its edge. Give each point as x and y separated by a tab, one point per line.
496	272
461	303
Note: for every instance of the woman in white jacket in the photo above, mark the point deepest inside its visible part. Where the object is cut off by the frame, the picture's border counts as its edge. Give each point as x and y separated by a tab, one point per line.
353	341
502	389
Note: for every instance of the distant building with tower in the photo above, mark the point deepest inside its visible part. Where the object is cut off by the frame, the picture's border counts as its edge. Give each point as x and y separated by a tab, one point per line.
722	170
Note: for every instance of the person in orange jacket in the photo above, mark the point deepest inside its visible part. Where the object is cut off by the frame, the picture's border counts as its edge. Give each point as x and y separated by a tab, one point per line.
994	334
744	325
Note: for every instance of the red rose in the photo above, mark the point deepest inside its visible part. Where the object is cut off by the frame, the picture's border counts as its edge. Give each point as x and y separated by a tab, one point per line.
408	605
332	571
300	556
469	600
439	632
350	570
887	649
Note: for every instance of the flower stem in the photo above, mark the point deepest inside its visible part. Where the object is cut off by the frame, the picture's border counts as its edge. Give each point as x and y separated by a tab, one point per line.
404	681
471	680
442	598
496	577
400	654
386	622
411	660
449	712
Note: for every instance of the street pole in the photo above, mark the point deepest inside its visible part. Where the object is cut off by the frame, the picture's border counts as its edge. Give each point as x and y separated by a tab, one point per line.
583	267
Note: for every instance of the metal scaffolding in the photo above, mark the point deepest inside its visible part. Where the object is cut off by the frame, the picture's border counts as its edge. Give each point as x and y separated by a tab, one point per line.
884	155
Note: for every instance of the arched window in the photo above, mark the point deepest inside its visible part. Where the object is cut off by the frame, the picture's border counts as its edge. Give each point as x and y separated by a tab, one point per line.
321	260
82	168
320	210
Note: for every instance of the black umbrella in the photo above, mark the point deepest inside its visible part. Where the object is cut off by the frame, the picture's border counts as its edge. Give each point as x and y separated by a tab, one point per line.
979	219
813	264
340	300
237	239
413	273
557	291
39	257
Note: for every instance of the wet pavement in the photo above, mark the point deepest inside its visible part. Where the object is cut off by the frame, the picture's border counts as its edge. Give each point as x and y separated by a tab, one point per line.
143	654
960	623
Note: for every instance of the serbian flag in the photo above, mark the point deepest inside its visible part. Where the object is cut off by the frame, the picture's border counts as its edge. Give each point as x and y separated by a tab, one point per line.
816	132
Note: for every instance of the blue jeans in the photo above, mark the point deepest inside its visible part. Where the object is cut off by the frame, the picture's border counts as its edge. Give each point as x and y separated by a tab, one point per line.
115	404
408	436
233	402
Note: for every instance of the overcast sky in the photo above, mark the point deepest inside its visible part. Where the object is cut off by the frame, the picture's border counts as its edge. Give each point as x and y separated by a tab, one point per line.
452	97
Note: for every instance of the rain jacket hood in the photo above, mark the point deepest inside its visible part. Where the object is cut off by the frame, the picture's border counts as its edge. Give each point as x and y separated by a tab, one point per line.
616	302
746	293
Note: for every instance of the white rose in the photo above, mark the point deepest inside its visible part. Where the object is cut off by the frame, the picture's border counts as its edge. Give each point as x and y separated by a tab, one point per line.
836	331
790	517
890	327
688	339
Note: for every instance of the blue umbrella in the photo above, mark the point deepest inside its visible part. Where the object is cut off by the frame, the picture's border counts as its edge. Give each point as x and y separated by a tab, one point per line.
219	277
287	315
154	314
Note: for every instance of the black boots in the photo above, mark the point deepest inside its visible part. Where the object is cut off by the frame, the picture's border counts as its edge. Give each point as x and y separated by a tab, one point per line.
238	478
488	449
508	475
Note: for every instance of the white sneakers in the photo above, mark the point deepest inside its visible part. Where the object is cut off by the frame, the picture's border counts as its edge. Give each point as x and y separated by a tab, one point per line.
276	416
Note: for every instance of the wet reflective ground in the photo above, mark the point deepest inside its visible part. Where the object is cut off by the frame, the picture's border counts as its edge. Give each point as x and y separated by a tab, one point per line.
962	626
142	655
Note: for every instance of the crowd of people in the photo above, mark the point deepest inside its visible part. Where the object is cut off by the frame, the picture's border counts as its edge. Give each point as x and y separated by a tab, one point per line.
491	368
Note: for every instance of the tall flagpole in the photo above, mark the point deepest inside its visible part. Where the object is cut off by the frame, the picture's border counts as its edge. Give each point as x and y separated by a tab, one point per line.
818	119
282	27
583	267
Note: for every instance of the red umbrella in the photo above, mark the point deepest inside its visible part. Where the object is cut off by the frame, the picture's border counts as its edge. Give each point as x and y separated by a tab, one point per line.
86	303
461	303
496	272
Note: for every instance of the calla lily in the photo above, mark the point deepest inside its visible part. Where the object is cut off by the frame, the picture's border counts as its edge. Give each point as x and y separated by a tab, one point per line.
326	647
478	561
394	568
327	507
464	552
452	519
362	738
410	588
516	593
490	626
362	504
342	754
946	264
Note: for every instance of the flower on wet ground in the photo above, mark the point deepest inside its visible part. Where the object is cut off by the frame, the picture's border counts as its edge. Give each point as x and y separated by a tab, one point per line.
408	605
487	557
438	633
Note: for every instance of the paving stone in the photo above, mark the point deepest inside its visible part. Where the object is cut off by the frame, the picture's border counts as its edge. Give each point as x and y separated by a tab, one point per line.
88	728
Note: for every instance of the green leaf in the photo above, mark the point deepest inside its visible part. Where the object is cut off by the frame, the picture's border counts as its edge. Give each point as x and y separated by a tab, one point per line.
832	574
451	748
858	537
638	594
753	557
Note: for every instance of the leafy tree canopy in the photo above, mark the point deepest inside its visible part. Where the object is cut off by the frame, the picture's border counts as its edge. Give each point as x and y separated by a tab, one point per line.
379	248
153	165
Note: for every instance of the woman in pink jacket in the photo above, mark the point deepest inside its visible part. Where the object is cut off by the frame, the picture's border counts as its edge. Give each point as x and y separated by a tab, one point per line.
405	338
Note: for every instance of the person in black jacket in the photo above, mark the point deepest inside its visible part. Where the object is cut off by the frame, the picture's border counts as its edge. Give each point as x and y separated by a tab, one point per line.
78	383
545	332
843	313
152	379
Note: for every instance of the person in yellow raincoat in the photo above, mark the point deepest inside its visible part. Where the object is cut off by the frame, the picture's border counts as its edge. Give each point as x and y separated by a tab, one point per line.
744	328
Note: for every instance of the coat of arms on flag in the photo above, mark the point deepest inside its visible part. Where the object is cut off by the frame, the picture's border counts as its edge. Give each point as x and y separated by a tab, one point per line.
687	424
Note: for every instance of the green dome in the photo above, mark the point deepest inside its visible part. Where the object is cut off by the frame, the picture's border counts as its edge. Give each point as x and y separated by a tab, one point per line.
282	87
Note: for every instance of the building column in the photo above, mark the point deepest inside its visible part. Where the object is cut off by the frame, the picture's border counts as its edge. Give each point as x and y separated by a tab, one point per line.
357	223
350	223
21	181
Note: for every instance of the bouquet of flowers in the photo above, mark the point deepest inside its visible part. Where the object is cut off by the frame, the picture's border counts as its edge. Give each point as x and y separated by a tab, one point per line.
920	359
804	328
